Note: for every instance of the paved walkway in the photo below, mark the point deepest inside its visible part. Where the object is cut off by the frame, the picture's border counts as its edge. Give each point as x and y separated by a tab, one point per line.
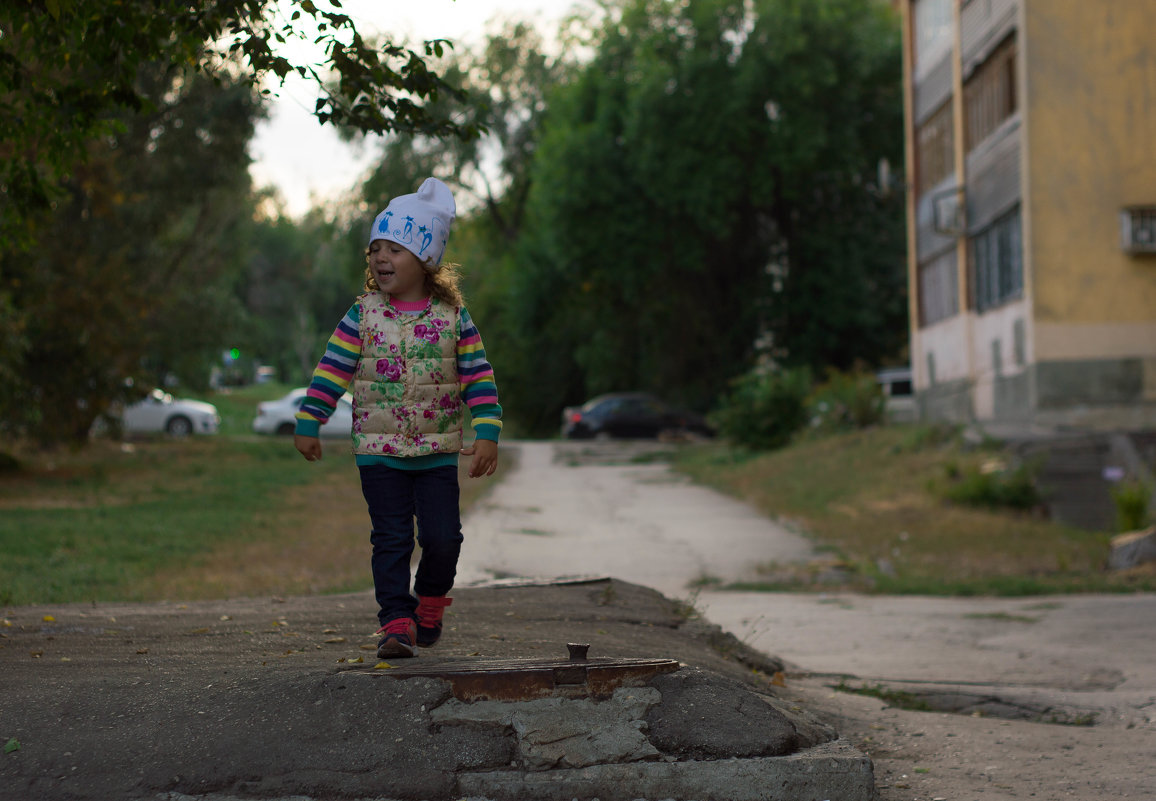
587	508
603	509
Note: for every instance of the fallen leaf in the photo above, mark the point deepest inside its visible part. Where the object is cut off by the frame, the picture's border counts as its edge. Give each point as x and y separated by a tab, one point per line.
382	666
7	623
358	661
335	640
36	654
225	617
368	647
48	619
201	631
329	631
12	745
65	659
778	679
142	650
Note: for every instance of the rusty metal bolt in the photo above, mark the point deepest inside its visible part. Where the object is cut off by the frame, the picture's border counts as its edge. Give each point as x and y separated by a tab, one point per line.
578	651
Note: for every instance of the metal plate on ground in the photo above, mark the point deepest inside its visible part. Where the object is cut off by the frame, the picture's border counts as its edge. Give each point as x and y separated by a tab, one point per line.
526	679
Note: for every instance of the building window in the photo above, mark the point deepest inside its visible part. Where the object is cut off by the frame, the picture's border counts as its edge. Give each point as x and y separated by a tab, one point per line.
938	289
935	146
1138	229
997	263
989	96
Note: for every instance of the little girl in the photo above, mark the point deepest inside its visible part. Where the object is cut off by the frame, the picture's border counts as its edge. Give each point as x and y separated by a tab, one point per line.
410	355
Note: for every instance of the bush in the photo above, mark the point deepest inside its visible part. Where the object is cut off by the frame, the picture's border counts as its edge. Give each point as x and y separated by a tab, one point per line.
994	487
1131	505
847	401
765	409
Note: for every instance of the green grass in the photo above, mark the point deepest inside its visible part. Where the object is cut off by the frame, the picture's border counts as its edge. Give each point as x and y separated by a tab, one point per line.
96	527
152	517
238	405
874	502
236	513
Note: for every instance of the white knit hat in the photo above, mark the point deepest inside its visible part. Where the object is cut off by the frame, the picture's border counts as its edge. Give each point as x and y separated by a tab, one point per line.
420	222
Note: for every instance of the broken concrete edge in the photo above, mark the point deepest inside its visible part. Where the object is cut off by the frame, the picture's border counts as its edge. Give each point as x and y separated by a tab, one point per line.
728	645
1132	549
833	770
1004	703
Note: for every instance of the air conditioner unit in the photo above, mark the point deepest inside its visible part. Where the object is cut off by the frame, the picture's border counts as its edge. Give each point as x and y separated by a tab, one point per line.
1138	229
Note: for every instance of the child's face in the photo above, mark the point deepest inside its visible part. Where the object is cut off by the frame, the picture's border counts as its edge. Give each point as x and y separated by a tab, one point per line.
397	271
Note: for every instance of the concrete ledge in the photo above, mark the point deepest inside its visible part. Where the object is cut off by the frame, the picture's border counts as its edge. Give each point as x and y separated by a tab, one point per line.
833	771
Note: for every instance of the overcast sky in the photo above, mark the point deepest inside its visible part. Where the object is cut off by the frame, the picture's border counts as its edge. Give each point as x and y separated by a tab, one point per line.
306	161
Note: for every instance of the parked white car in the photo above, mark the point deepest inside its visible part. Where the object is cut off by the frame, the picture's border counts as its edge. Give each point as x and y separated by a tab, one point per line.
280	416
159	412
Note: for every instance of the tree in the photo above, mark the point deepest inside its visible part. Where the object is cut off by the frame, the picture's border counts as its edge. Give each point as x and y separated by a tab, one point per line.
131	283
299	280
69	71
705	184
504	86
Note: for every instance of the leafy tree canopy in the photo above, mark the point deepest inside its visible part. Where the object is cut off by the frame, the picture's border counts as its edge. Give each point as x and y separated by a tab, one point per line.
69	69
130	281
702	194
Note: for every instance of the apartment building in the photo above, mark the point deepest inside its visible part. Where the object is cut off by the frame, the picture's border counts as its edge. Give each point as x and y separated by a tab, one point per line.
1031	164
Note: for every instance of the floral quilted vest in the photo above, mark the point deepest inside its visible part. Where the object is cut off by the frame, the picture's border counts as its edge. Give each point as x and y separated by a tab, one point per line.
406	396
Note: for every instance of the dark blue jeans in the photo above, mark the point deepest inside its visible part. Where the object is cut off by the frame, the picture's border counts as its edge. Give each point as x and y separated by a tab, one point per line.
394	498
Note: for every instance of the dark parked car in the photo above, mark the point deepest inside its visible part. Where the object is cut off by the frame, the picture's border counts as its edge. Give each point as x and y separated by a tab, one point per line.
630	415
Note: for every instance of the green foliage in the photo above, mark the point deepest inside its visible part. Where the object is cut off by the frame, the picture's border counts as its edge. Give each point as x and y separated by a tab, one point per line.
764	410
69	69
707	181
130	282
993	486
1131	499
299	280
847	401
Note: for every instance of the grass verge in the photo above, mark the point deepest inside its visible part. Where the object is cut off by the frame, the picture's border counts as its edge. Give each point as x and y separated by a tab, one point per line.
209	517
872	502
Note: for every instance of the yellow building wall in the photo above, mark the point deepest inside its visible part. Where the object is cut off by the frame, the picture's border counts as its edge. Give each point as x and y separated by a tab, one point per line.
1090	111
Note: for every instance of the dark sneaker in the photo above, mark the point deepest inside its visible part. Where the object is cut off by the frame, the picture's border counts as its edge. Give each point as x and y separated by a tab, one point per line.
399	638
429	618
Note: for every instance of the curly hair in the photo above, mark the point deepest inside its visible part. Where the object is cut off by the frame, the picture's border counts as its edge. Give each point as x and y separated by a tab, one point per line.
441	281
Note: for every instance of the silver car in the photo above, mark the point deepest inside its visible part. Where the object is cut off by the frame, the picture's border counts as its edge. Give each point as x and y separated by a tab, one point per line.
280	416
160	412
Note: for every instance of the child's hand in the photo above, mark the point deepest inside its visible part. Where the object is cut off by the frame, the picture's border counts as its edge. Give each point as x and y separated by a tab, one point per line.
310	447
485	453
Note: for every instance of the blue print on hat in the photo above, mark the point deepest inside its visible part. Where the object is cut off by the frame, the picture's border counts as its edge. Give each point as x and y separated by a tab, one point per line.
426	239
405	236
383	226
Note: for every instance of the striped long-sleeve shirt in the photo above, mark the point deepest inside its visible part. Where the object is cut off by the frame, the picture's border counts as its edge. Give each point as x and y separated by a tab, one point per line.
335	371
